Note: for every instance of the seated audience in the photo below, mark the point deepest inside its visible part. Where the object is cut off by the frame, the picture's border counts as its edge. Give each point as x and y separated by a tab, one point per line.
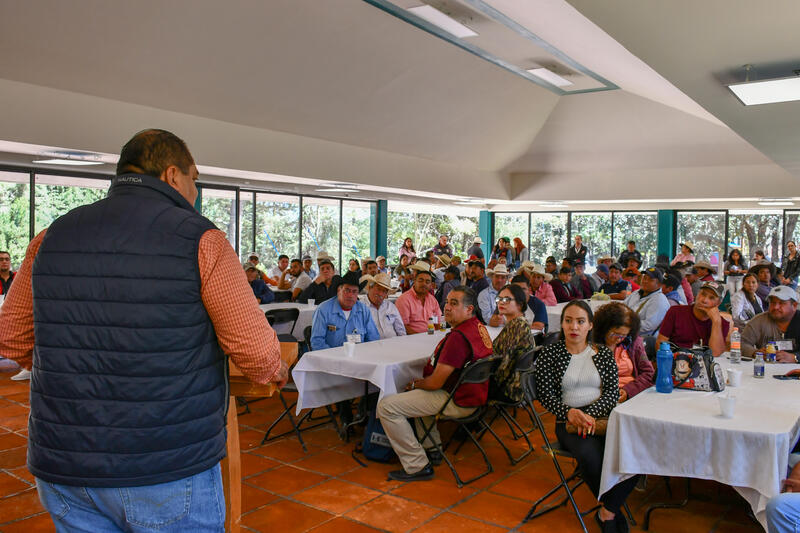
430	258
764	271
649	302
630	252
262	293
418	305
467	340
567	263
745	304
704	272
300	280
616	287
550	266
735	268
476	276
307	264
443	248
758	255
354	266
403	273
382	267
487	303
582	285
324	285
632	277
277	271
680	289
514	341
780	323
536	313
502	249
599	277
385	315
688	325
540	285
370	269
562	288
253	259
456	262
578	251
442	263
452	279
577	382
617	326
670	287
476	249
321	256
633	265
520	252
407	249
686	255
344	315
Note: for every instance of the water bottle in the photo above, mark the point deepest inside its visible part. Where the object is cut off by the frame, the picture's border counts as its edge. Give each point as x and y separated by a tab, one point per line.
758	365
664	377
736	347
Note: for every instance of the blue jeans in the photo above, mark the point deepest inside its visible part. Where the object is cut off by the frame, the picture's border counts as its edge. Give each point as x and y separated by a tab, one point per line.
783	513
195	503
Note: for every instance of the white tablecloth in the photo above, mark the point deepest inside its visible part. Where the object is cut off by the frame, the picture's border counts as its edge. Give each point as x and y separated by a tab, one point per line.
328	376
305	318
682	434
554	313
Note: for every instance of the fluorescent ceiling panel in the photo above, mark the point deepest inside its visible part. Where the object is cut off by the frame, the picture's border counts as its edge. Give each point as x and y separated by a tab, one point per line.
437	18
767	91
67	162
550	77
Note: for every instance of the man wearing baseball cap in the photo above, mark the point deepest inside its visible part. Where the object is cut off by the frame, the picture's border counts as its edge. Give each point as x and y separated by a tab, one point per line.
476	276
781	323
649	302
686	325
382	268
616	287
307	267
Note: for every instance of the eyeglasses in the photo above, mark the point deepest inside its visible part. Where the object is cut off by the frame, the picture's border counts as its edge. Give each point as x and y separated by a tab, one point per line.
617	335
503	299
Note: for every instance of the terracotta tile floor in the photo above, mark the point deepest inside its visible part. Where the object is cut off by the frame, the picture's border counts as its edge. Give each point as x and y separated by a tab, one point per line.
326	490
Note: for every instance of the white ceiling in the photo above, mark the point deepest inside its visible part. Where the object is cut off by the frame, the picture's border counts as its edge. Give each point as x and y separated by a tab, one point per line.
342	91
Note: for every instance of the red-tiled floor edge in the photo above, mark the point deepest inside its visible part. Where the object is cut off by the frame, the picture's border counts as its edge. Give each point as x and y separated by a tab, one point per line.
326	490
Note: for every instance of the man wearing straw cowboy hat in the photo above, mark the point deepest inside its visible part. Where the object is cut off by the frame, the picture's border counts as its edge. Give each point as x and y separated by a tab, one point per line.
384	313
487	298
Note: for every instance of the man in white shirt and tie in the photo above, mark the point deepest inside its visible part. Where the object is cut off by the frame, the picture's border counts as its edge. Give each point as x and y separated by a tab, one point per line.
384	313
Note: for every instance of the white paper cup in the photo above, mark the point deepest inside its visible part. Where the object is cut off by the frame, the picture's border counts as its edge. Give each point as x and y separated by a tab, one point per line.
727	406
349	348
355	338
311	301
734	377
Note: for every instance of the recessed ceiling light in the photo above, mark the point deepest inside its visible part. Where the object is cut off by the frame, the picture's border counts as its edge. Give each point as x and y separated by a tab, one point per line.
767	91
437	18
776	202
553	204
68	162
550	77
336	189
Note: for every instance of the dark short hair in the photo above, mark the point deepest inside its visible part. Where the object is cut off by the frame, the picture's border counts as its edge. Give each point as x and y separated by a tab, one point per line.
583	305
613	315
296	260
453	270
671	281
323	262
4	252
283	256
565	270
426	272
519	278
469	298
151	151
371	262
632	242
550	259
518	294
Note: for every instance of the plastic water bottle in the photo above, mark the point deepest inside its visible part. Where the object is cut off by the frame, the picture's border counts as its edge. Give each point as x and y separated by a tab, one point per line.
664	377
736	347
758	365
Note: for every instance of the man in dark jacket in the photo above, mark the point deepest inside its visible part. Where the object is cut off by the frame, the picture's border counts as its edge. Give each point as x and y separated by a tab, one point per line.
324	286
630	253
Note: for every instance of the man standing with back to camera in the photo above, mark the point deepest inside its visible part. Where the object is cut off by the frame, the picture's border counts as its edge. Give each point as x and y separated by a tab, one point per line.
138	299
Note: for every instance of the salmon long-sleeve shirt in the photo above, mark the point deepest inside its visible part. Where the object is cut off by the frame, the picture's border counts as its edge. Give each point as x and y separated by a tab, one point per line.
242	329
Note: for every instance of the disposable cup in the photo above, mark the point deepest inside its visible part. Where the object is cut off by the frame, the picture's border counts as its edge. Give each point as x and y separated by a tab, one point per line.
734	377
355	338
311	301
349	348
727	406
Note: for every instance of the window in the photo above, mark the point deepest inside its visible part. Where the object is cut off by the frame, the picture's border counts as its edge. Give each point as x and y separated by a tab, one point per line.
791	231
641	227
358	229
57	195
750	230
15	213
277	227
548	236
706	231
595	230
321	228
423	223
246	237
219	206
511	225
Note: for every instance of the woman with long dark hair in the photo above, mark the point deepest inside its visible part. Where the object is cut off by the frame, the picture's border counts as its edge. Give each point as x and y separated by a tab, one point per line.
735	269
514	341
745	304
408	249
577	381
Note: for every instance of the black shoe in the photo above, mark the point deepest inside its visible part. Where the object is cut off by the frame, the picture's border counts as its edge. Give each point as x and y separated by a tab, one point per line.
621	522
426	474
609	526
434	456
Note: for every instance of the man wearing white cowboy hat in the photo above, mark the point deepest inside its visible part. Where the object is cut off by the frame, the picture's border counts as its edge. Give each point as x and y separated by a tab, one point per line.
476	249
384	313
487	299
539	282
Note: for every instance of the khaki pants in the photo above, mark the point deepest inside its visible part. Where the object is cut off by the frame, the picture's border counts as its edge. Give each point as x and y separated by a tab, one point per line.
394	412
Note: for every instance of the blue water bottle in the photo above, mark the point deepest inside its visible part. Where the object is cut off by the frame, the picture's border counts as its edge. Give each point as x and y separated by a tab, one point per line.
664	377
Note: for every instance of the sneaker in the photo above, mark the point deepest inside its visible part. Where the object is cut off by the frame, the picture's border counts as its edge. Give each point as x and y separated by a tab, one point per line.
425	474
434	456
22	376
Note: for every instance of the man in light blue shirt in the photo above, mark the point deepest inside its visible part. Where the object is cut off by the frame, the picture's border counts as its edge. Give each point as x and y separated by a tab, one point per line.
649	302
344	315
486	298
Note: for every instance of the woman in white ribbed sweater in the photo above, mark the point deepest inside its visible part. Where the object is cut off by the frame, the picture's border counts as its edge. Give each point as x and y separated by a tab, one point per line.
577	381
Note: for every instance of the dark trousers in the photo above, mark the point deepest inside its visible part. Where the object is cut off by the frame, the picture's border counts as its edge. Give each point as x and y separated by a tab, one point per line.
589	454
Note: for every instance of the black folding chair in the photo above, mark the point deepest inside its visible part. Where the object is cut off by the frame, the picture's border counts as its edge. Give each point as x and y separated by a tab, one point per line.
276	317
554	450
477	371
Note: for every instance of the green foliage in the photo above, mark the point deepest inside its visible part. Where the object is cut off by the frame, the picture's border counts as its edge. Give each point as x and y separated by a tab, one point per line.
756	232
357	230
639	227
321	230
52	201
222	212
425	228
706	230
548	236
14	220
280	220
595	229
